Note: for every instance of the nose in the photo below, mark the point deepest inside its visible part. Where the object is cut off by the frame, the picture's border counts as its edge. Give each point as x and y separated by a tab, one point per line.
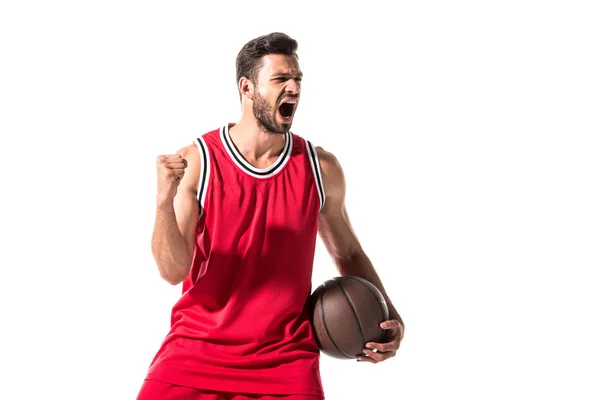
292	87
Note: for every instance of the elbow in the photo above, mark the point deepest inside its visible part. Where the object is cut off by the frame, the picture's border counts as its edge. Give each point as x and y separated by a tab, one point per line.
174	282
171	269
174	272
172	277
348	259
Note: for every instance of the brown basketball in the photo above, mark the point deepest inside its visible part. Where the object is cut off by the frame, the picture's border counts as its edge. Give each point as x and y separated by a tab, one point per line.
346	312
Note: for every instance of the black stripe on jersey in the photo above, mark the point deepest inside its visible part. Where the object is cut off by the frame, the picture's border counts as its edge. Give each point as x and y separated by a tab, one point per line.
317	170
234	153
204	167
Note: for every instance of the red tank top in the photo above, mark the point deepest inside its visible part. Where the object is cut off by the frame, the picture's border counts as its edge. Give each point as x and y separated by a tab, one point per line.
242	324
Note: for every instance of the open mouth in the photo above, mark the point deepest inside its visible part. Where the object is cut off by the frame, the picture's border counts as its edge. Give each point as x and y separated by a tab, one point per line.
286	109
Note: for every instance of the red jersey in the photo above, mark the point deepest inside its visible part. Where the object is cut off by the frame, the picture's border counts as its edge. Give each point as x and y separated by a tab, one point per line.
242	323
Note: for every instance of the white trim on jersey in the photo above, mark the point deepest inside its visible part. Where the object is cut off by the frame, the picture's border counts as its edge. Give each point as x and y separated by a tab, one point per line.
248	168
204	173
316	168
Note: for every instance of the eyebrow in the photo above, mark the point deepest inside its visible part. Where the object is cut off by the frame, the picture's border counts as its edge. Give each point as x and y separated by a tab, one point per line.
286	75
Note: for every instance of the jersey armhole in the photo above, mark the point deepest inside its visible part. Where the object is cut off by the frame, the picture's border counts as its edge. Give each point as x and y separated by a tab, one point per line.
316	168
204	173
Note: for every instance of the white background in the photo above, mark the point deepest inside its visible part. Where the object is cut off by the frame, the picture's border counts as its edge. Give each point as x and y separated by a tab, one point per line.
468	132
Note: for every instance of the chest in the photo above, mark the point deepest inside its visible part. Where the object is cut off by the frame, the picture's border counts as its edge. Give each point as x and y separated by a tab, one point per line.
285	201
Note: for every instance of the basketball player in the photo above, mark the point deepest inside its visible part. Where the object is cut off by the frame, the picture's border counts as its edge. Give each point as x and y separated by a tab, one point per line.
237	216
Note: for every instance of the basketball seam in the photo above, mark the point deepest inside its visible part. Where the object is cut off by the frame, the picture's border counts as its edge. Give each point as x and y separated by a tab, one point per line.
325	325
372	294
362	332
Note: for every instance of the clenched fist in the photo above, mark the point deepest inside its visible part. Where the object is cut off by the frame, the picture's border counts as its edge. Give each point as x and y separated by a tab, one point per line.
170	170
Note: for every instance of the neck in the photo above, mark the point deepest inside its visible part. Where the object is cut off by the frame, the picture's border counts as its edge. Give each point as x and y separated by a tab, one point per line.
258	146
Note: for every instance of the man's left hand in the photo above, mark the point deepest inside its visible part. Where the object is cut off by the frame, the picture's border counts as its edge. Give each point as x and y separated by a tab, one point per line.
378	352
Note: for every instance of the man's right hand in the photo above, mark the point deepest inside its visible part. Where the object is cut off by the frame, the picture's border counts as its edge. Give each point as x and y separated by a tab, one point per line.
170	170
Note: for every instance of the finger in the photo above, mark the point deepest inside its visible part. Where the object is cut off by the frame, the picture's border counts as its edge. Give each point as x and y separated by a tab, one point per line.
177	161
167	157
390	324
176	164
373	355
379	357
163	159
382	347
365	359
175	174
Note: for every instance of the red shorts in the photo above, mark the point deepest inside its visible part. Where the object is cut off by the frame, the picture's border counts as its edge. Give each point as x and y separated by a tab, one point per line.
156	390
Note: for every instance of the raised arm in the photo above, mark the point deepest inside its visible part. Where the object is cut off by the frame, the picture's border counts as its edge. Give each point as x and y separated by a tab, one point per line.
176	213
347	253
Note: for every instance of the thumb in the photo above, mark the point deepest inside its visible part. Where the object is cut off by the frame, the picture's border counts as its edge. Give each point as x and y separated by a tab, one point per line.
388	325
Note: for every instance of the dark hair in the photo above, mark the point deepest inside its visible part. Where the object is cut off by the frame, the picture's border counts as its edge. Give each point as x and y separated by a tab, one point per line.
249	59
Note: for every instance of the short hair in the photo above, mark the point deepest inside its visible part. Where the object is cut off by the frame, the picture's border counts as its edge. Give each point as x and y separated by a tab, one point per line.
249	59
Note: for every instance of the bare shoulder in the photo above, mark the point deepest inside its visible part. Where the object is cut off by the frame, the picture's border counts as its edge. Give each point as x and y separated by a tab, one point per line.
330	166
333	177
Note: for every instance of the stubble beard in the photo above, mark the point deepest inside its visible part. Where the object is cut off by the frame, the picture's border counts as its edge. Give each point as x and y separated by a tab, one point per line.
265	116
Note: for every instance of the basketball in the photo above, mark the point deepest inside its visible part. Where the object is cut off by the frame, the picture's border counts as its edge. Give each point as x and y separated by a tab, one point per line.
345	313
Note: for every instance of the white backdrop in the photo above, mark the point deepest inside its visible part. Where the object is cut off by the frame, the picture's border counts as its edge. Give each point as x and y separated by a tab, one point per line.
468	132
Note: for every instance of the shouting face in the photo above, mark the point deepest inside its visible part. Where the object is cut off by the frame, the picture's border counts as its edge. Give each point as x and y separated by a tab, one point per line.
277	93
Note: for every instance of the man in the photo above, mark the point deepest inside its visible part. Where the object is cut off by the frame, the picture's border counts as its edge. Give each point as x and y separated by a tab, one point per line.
236	222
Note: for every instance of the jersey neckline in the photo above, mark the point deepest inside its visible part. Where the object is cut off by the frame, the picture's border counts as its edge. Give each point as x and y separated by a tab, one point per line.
248	168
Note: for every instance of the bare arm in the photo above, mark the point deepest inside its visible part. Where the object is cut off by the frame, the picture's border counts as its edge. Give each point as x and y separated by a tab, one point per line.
176	213
337	233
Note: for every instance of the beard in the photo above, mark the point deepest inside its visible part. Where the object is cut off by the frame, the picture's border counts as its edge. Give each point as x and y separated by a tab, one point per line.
265	116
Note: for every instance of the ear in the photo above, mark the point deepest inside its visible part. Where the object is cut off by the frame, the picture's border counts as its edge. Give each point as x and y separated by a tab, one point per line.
246	87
